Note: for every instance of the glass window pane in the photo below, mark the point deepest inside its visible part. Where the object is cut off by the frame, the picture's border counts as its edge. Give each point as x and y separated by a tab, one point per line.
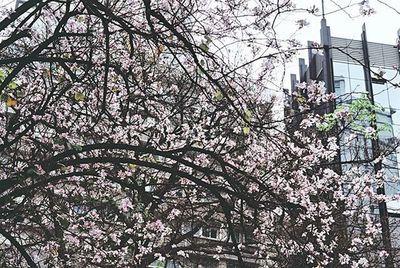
356	72
396	122
341	87
394	97
357	85
380	95
357	88
340	69
390	74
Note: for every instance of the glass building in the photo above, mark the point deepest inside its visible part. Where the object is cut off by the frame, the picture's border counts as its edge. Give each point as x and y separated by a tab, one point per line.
354	69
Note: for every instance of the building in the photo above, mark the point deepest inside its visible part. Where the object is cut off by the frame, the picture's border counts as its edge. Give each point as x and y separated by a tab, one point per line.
353	69
213	236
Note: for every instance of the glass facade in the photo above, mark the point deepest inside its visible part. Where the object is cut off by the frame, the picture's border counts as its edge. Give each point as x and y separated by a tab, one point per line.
342	68
351	80
350	84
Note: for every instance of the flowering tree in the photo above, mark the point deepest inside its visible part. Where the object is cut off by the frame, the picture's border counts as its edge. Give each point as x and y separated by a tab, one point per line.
130	126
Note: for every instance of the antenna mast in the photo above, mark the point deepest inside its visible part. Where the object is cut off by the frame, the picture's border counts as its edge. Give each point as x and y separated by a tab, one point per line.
323	9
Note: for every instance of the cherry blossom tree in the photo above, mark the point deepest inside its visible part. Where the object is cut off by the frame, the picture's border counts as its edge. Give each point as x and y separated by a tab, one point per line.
128	127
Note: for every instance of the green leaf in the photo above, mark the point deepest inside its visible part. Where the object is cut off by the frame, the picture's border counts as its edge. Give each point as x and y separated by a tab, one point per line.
78	96
160	264
301	99
115	90
246	130
218	95
247	115
132	166
12	86
2	74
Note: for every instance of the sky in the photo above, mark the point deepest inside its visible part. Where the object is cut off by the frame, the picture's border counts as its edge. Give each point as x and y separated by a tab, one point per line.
381	27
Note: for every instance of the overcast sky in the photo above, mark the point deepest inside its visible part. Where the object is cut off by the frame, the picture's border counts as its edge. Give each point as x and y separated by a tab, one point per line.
381	26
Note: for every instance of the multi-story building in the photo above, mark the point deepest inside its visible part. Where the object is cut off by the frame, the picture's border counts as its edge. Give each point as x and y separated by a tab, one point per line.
353	69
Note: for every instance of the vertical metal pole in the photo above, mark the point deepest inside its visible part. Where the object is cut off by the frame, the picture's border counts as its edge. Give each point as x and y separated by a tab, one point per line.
383	213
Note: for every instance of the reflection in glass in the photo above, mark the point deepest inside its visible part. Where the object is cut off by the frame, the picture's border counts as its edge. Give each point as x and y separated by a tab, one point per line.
381	95
356	71
350	84
340	88
341	69
394	97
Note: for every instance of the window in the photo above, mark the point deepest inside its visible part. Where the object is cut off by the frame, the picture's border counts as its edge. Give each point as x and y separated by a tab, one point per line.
381	96
337	84
209	232
340	86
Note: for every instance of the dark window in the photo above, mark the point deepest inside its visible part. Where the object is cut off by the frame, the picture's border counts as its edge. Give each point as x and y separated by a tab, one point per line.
209	232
